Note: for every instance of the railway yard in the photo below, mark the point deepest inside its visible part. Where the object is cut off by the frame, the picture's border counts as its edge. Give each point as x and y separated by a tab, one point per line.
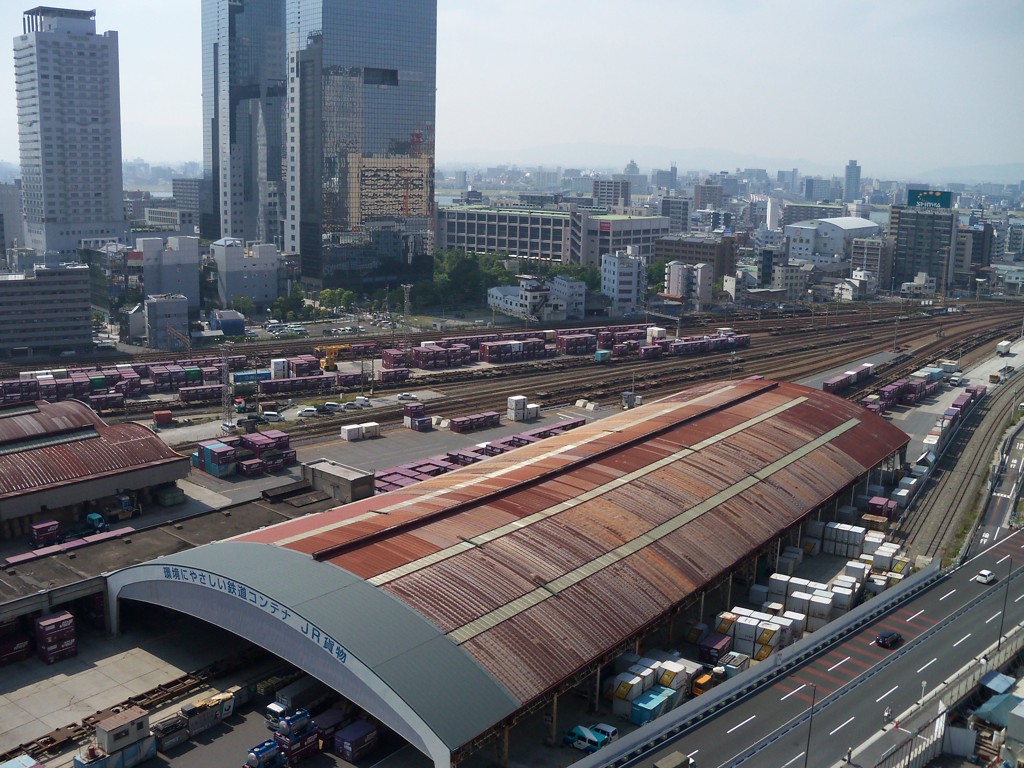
802	348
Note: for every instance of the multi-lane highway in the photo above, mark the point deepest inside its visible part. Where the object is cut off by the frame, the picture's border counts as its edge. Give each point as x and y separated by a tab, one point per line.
945	627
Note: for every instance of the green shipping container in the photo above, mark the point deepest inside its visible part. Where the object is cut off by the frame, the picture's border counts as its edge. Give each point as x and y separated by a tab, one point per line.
97	382
193	374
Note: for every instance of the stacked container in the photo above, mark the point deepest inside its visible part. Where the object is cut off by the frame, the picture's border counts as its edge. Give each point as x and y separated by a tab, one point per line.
355	741
352	432
55	637
517	408
15	645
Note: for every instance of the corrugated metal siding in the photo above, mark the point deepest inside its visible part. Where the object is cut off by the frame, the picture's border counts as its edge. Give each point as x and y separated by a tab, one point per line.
118	447
557	554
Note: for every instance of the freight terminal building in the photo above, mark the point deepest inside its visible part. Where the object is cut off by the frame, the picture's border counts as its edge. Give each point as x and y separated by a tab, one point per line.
61	461
452	608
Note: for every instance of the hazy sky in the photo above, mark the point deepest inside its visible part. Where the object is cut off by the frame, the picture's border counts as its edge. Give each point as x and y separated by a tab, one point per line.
902	86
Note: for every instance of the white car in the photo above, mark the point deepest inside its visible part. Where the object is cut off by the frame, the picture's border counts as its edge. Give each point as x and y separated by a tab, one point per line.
985	577
304	412
407	396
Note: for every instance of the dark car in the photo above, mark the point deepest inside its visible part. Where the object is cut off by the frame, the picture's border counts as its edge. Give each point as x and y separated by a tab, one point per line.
888	639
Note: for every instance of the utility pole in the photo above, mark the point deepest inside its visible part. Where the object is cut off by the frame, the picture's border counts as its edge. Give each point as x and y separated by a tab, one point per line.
1006	598
406	309
228	422
810	724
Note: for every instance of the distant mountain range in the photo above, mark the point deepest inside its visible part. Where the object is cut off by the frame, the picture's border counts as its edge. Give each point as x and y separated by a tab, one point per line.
613	158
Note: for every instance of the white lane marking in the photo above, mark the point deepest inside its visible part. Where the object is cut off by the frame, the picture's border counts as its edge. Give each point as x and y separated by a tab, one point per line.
961	639
922	669
947	594
792	692
1017	600
886	693
916	615
833	733
740	725
790	762
1005	557
993	616
999	528
839	663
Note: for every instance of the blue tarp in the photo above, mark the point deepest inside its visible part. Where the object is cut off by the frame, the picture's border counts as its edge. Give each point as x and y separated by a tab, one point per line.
996	710
997	682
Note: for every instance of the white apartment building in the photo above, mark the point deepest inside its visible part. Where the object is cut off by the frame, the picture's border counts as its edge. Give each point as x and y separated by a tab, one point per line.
69	130
570	293
531	299
790	278
623	280
689	282
171	267
254	271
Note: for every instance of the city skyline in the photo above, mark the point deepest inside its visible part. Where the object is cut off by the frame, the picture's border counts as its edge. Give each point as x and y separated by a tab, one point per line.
908	90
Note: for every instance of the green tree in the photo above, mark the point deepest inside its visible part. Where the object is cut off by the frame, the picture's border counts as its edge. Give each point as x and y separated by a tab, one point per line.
243	304
656	275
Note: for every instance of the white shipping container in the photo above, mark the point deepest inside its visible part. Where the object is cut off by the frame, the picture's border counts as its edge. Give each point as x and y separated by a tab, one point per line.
745	629
798	601
622	708
279	368
517	402
785	565
760	616
673	675
811	547
352	432
512	415
627	686
661	655
778	584
773	609
797	584
832	531
646	674
725	623
795	552
799	620
768	633
370	429
739	610
820	607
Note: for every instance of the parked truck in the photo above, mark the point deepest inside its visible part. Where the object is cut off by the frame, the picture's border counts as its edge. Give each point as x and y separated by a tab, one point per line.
93	523
1003	347
305	693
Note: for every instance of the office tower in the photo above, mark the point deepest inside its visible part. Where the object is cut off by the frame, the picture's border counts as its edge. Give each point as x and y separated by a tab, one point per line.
851	183
360	140
10	215
612	192
46	310
707	196
243	102
69	130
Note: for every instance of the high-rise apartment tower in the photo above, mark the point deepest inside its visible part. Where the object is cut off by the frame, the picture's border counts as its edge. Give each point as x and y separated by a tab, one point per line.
851	182
69	130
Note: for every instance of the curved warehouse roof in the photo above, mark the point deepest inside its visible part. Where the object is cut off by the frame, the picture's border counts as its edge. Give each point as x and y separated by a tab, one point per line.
463	598
44	445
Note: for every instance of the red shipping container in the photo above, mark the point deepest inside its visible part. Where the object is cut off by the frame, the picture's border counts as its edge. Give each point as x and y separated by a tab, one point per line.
56	656
14	644
54	622
50	638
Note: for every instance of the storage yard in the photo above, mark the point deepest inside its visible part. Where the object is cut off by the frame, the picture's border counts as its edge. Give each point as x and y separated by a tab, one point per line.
490	646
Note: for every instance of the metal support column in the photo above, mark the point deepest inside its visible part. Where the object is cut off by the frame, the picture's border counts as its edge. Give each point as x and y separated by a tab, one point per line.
596	703
553	721
701	613
728	591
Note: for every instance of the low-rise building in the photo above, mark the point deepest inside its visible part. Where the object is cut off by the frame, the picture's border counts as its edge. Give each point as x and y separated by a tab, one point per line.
530	300
792	279
700	248
689	282
572	294
526	233
47	311
254	271
593	235
171	266
167	321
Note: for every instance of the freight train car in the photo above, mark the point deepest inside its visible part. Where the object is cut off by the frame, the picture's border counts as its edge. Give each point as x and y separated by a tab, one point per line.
206	392
323	383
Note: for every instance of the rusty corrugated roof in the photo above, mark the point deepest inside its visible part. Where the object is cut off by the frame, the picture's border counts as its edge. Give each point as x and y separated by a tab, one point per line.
43	445
538	561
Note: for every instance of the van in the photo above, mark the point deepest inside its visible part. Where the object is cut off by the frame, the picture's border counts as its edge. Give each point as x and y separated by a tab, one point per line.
956	379
272	416
584	739
610	731
332	406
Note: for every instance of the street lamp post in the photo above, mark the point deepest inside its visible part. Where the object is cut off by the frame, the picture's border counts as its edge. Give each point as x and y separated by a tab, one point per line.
924	687
1006	599
810	724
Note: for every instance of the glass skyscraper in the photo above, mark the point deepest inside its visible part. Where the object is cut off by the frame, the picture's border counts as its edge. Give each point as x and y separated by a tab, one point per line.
359	176
244	82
